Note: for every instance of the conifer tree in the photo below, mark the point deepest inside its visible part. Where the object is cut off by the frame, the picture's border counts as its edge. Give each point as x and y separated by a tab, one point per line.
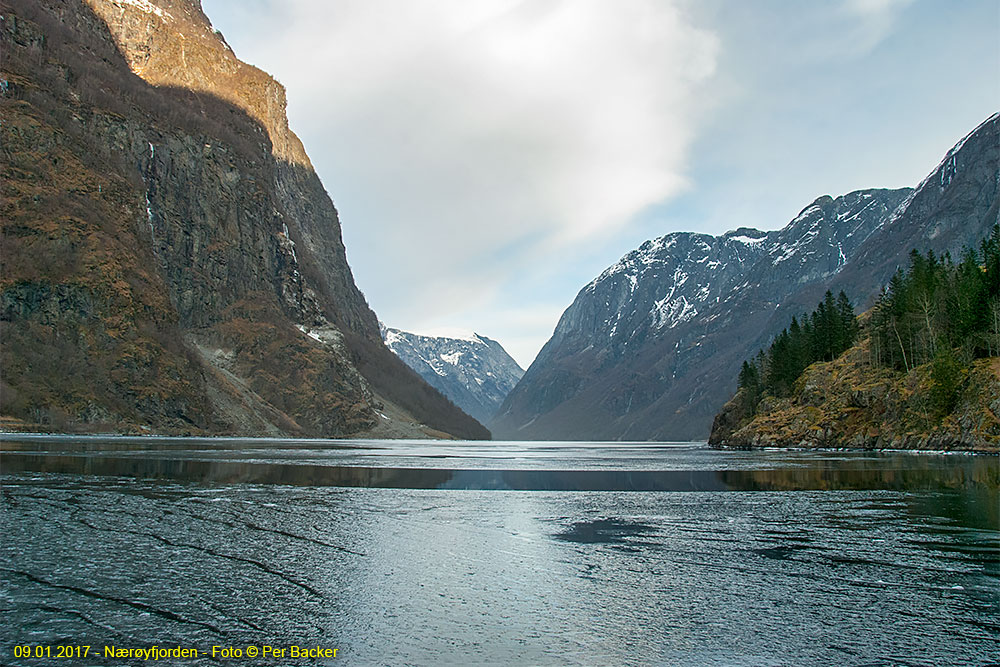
936	312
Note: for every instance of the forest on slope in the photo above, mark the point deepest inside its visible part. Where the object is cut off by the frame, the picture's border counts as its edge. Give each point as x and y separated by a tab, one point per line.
925	372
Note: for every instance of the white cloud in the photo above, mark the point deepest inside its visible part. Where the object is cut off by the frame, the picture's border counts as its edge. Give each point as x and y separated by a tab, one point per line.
871	8
487	155
456	135
874	20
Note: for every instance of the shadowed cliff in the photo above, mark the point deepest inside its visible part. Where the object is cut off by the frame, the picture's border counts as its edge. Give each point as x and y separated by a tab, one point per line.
171	262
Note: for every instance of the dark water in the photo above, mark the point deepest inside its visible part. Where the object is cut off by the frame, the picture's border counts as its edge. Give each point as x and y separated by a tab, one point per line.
500	553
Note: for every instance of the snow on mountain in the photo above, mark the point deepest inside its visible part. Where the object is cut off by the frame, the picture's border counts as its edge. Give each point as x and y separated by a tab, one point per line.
622	359
650	348
474	371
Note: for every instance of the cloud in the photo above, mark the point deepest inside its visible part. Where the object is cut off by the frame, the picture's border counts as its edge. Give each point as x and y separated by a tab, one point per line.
874	20
461	140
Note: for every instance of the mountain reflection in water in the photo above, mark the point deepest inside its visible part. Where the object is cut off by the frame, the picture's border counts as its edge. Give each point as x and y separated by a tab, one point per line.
415	553
661	468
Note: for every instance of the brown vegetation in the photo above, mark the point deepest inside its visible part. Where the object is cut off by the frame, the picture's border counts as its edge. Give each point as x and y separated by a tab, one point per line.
115	259
850	402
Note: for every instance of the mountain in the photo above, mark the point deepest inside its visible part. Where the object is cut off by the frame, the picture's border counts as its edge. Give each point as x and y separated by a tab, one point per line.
172	262
650	349
647	349
475	372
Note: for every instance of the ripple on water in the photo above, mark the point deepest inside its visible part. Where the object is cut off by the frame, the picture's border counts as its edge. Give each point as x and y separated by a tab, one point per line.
424	576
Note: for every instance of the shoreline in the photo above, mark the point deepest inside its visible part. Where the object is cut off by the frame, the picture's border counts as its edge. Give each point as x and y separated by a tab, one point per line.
15	436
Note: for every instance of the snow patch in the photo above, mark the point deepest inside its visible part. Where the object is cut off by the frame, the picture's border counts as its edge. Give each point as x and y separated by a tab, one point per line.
286	242
391	337
749	240
671	312
309	332
848	215
327	335
949	171
451	358
450	334
144	6
787	254
648	254
805	214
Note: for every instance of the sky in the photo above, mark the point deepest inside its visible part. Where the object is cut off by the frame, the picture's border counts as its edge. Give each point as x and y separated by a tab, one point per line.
489	158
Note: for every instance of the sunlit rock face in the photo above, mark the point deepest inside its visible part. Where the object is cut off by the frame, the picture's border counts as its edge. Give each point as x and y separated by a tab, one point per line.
650	349
168	249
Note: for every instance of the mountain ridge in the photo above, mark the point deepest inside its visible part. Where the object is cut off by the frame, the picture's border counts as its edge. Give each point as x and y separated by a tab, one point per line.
688	279
653	354
474	372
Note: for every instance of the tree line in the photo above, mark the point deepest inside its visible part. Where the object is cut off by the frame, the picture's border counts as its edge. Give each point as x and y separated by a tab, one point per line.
938	311
820	336
939	307
943	313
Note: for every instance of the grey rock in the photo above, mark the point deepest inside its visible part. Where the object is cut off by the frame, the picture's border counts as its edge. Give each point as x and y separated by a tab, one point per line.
476	373
651	348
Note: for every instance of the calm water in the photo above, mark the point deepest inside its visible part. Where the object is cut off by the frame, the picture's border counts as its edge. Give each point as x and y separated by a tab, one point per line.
500	553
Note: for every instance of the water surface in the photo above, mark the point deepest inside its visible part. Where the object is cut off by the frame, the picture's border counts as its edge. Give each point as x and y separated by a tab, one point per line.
501	553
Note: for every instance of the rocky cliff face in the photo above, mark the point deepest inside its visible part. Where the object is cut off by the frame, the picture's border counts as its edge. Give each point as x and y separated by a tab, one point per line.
651	348
954	206
172	262
475	372
849	403
647	349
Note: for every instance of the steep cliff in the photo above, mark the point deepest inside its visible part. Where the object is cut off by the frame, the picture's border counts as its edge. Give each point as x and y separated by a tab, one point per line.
474	371
651	348
171	261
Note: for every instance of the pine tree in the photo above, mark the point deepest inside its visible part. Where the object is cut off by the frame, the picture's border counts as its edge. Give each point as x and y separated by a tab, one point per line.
848	323
936	312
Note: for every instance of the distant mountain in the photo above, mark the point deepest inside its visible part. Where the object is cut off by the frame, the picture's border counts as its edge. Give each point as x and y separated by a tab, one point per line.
171	261
475	372
650	349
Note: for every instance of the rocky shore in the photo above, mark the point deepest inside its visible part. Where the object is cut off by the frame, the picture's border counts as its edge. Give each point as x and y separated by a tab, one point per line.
849	403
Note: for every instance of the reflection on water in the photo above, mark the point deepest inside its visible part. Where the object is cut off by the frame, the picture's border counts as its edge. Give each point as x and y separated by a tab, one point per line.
873	560
537	467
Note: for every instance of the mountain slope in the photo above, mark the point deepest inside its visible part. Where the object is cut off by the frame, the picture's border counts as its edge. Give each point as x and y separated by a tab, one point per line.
650	349
172	262
475	372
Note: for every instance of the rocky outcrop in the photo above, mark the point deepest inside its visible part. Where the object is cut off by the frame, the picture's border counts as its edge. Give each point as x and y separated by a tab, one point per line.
849	403
474	371
175	263
650	349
